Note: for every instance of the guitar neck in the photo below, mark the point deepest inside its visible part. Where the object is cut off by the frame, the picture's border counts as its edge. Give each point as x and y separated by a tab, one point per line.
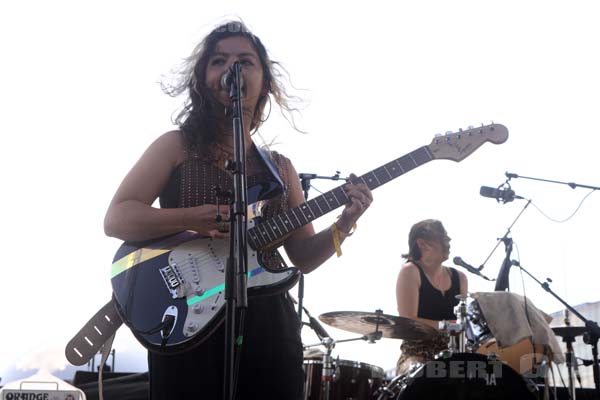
273	229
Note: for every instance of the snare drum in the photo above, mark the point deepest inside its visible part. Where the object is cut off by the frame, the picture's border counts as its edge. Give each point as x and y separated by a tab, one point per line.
521	356
463	376
351	380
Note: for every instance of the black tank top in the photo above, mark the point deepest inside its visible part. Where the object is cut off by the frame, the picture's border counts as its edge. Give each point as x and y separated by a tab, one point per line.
433	304
271	358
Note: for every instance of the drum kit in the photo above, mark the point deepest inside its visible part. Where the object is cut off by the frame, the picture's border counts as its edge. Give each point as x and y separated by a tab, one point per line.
474	366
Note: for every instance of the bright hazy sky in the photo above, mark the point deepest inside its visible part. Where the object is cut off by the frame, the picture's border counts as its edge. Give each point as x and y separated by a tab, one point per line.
80	103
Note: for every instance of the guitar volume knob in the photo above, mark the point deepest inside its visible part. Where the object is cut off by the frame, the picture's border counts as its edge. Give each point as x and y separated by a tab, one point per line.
198	308
192	327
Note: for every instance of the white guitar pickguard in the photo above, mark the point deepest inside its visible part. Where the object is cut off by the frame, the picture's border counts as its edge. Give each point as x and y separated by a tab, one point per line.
200	264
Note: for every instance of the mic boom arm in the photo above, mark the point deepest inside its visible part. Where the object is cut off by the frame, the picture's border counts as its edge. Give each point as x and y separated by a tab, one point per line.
503	238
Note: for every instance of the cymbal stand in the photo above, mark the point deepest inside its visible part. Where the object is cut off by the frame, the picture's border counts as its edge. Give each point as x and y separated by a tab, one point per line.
328	369
326	340
570	359
590	337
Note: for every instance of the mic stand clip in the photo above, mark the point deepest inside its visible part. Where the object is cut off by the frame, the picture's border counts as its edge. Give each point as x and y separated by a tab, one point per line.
306	178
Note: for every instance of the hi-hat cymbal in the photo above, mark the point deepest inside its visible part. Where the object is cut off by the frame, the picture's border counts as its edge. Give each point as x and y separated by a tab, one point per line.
366	323
569	331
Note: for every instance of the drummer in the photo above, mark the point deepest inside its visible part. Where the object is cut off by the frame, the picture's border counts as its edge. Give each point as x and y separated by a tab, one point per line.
426	290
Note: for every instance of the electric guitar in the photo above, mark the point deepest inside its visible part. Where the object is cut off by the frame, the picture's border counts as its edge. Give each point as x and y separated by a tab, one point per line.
170	291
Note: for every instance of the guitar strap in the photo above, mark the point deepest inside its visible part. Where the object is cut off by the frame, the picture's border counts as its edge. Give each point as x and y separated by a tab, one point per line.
97	334
270	165
99	330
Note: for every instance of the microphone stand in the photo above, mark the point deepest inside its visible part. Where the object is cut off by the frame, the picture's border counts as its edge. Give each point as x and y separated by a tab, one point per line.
591	337
236	296
305	182
502	279
572	185
593	331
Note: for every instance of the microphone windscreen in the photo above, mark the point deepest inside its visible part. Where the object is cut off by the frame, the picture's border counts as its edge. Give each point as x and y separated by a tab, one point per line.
487	191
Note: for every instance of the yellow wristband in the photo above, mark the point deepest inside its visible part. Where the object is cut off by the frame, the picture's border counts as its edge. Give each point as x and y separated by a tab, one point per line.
335	235
349	233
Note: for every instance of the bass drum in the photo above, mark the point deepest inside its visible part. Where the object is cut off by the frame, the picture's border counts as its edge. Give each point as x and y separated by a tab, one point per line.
460	376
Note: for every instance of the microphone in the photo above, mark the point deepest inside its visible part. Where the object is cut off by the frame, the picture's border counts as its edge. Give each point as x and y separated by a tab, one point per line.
501	195
318	328
460	262
227	79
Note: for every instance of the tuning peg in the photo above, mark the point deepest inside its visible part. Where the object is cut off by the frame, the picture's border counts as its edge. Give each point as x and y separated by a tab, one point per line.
448	135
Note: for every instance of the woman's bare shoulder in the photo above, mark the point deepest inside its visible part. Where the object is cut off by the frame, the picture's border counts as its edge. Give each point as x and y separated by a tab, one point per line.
170	145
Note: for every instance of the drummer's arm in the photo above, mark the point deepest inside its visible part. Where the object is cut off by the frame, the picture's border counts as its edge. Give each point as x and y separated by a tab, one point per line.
407	294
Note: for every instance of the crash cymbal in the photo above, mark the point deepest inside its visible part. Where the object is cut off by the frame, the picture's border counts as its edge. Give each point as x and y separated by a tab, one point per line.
367	323
569	331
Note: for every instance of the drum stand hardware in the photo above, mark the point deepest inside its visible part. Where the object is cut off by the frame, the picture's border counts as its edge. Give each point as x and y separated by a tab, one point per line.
570	359
456	331
328	371
591	328
327	376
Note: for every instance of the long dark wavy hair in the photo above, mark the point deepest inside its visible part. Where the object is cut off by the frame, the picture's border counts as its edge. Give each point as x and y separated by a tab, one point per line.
198	119
429	229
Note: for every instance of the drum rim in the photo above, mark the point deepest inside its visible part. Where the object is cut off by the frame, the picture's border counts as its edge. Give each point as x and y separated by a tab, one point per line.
375	370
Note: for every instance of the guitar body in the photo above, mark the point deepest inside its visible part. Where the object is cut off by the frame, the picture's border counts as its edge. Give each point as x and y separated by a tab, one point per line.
170	291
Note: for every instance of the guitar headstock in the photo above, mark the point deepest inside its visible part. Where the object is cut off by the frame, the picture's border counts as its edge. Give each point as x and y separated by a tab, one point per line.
459	145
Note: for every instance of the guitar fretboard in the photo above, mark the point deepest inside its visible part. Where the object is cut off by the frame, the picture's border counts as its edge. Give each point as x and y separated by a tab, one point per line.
277	227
